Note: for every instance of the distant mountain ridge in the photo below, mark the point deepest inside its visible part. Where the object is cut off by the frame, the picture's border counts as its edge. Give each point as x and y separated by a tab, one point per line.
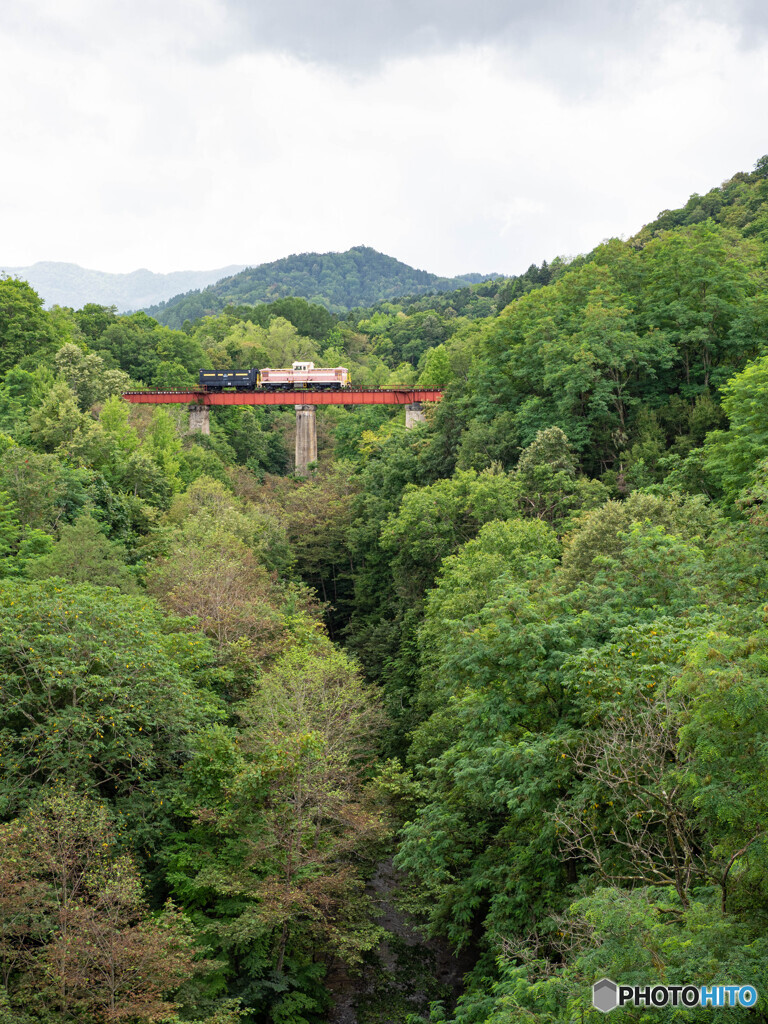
67	284
340	281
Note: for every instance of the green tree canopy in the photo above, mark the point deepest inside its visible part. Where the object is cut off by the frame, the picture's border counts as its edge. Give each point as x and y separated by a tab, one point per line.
83	554
25	329
101	690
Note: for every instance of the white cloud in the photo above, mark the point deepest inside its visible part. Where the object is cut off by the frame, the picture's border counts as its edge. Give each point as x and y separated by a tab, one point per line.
133	136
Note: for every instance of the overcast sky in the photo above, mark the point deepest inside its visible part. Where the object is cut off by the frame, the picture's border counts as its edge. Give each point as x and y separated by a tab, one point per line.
458	136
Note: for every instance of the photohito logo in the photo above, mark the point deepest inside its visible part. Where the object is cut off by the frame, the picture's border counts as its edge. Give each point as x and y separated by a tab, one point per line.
607	995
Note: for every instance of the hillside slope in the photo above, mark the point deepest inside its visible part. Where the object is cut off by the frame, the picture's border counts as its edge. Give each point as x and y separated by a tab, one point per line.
741	203
67	284
337	280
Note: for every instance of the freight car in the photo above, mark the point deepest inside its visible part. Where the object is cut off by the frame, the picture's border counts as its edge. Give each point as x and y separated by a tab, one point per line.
217	380
299	377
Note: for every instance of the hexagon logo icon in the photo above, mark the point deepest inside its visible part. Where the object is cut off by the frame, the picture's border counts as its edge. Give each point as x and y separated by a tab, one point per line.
605	995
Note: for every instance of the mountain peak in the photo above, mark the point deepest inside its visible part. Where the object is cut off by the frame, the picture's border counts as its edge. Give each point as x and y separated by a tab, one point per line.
361	276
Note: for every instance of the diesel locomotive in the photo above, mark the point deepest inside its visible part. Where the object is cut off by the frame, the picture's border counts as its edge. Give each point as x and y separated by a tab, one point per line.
298	377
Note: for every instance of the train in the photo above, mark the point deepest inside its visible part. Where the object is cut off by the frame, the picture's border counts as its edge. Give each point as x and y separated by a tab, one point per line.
300	376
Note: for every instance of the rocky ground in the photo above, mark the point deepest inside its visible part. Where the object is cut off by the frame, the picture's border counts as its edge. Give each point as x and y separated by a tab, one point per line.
403	975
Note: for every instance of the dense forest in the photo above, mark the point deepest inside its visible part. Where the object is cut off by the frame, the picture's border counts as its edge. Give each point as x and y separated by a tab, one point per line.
513	660
336	280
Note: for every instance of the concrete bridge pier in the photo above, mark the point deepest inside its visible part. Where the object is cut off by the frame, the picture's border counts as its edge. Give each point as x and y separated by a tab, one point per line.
414	414
199	419
306	438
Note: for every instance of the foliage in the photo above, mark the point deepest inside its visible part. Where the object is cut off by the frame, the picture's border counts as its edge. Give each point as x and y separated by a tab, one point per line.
75	928
45	491
88	377
20	546
84	555
337	281
277	815
212	574
104	693
317	516
550	705
25	330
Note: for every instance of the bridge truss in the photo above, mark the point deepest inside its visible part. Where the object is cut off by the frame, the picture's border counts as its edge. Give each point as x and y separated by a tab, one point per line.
304	396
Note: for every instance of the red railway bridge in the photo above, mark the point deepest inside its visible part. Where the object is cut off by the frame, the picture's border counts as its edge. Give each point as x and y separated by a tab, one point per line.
305	401
305	396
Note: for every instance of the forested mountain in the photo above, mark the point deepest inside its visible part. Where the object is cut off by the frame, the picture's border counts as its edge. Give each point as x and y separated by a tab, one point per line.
470	301
521	650
66	284
735	203
337	280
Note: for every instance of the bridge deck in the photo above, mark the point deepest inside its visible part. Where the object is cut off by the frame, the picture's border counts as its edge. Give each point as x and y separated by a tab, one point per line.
349	396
